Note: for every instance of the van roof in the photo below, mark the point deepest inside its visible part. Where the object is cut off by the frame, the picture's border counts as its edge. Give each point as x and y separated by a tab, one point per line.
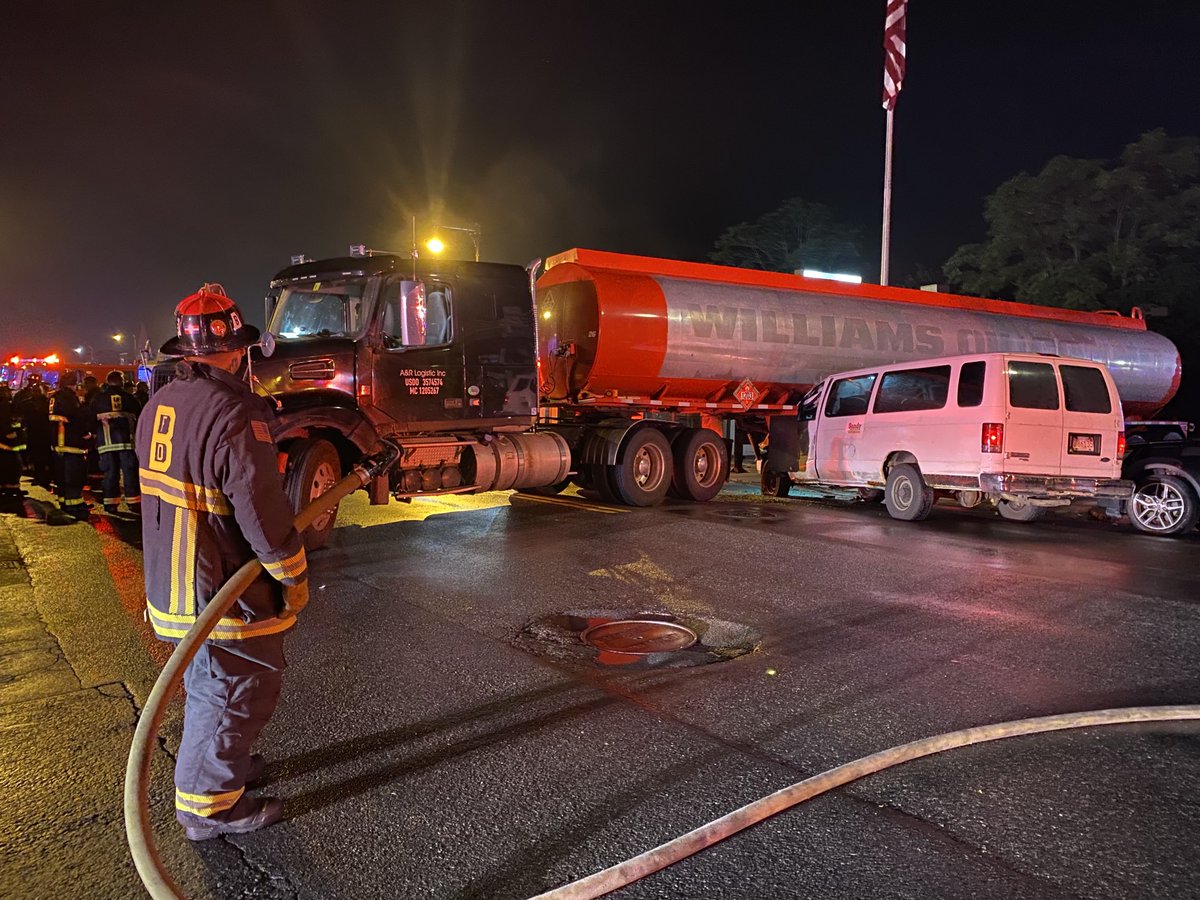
1001	356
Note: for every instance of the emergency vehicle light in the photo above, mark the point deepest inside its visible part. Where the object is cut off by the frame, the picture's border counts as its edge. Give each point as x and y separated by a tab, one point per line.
992	440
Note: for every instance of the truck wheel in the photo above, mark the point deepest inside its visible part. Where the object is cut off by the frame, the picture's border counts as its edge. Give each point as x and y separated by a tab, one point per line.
643	475
701	464
1019	511
599	480
313	468
775	484
906	495
1163	504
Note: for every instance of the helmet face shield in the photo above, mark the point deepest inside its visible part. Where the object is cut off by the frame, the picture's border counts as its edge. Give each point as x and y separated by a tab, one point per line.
209	322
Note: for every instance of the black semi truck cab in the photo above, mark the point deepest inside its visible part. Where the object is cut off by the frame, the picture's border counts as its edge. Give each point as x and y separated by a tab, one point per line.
440	359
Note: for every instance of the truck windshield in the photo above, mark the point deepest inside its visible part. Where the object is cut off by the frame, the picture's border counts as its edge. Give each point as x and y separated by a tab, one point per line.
319	309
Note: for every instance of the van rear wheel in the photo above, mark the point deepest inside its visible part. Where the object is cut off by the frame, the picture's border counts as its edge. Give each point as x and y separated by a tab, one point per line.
906	495
775	484
1019	511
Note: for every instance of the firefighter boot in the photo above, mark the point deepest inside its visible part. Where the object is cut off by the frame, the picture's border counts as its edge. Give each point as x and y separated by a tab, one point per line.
258	768
250	814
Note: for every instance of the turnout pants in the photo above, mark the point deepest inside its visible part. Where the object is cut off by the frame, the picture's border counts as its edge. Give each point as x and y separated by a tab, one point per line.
115	465
10	474
230	698
70	473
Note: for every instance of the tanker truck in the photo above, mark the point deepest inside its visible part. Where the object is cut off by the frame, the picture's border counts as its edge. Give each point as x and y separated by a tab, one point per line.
618	372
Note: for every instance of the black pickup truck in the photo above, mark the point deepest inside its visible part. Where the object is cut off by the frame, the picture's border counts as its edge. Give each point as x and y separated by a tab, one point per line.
1163	461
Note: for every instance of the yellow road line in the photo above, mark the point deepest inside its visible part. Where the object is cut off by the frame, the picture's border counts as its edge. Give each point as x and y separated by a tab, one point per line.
567	501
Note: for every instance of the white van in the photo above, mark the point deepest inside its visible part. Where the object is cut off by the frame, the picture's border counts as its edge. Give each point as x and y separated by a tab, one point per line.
1024	431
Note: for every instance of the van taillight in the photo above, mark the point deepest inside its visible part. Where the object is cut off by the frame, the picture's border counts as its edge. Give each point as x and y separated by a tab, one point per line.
993	437
1120	445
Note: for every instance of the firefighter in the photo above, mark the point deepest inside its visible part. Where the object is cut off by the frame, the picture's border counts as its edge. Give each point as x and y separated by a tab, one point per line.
72	430
12	443
33	404
116	417
213	500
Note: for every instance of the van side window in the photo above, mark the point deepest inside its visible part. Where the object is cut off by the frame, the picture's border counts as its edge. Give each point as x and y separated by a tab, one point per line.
1032	385
912	389
849	396
1085	389
970	383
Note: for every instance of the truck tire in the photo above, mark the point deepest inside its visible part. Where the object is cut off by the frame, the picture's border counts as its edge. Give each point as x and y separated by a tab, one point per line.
1019	511
1163	504
701	460
775	484
644	473
906	495
313	467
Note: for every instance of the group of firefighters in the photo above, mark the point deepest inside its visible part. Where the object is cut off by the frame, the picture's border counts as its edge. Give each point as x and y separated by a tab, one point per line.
61	435
214	500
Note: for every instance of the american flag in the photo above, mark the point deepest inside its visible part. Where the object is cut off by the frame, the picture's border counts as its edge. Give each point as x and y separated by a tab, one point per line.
893	49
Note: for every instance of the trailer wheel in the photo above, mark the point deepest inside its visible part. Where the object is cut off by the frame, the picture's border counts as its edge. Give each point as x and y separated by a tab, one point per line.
775	484
643	475
313	468
906	495
599	480
1163	504
701	464
1019	511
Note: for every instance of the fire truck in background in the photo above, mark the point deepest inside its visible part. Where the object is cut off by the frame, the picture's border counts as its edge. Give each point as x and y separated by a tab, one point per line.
642	366
16	371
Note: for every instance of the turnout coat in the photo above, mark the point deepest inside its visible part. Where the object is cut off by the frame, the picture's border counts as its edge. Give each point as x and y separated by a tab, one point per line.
213	499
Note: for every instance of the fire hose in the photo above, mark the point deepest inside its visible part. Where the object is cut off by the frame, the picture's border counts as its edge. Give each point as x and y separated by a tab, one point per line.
705	836
138	829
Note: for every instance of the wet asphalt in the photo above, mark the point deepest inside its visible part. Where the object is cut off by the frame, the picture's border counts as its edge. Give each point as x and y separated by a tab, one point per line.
424	750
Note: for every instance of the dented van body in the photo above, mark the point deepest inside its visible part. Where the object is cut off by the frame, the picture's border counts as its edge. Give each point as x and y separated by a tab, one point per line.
1023	431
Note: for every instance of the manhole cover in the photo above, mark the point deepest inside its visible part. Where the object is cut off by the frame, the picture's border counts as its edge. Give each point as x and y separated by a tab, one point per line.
639	636
635	638
748	512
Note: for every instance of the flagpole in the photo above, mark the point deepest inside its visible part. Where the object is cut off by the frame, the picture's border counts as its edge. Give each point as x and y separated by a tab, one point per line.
887	199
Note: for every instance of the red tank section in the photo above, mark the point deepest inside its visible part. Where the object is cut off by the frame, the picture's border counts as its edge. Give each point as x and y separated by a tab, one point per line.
627	329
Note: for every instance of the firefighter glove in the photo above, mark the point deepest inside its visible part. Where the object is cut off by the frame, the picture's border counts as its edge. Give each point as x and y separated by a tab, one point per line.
295	598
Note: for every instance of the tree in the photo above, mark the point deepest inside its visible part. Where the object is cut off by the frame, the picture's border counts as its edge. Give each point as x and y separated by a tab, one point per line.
1087	234
797	235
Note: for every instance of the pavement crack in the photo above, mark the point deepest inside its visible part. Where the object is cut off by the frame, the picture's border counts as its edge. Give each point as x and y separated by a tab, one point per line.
278	884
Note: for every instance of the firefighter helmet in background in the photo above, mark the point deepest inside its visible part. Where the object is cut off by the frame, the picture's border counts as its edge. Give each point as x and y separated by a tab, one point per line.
209	322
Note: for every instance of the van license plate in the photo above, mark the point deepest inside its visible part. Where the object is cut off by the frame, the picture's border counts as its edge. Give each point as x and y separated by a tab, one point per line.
1085	444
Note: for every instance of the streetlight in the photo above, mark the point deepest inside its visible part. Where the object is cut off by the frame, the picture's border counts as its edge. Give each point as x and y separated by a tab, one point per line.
435	245
90	352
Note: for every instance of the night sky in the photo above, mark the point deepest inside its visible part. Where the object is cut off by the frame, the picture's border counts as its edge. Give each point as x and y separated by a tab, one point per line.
151	147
